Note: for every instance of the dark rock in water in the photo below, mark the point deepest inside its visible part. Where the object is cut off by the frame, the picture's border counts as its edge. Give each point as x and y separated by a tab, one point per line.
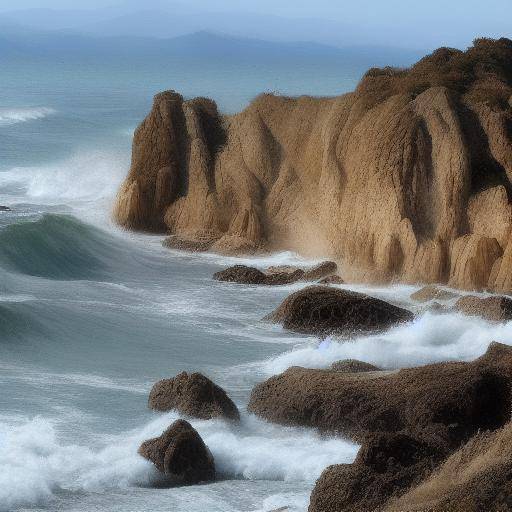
496	308
432	292
324	269
334	279
199	244
353	366
249	275
408	422
324	310
4	208
241	274
194	395
181	455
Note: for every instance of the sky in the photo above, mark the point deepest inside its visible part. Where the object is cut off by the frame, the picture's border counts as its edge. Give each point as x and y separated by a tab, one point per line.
400	22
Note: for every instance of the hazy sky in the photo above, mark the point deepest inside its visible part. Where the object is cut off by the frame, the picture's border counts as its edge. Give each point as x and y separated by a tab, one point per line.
432	23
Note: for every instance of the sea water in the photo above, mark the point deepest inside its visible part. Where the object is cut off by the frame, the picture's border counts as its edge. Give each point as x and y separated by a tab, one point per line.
91	316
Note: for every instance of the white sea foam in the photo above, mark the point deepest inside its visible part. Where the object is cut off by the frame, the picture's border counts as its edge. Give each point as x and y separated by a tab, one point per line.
87	175
34	463
429	338
10	116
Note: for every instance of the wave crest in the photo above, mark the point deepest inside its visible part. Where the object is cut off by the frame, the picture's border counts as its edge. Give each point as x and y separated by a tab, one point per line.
10	116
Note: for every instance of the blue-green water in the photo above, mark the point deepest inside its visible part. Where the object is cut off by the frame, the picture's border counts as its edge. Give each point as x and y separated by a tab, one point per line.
91	316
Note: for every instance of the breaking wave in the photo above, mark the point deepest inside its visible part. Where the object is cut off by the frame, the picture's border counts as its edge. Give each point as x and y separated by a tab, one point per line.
21	115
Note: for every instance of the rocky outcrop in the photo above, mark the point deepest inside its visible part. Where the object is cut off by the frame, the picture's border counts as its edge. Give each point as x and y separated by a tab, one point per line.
431	292
495	309
4	208
181	455
449	401
324	269
408	422
194	395
324	310
407	178
353	366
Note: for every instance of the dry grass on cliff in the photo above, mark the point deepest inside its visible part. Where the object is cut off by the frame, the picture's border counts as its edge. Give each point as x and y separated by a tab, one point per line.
483	73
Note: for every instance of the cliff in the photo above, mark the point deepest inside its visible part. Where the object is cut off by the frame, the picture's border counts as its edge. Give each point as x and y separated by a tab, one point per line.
407	178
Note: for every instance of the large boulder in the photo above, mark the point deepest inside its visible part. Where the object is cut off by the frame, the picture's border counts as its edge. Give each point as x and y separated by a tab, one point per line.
353	366
4	208
324	310
181	455
496	308
194	395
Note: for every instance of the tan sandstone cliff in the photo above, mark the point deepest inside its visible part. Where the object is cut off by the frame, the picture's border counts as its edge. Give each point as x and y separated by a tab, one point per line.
407	178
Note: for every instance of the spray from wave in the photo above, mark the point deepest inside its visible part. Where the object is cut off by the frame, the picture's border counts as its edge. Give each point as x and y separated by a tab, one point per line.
10	116
34	465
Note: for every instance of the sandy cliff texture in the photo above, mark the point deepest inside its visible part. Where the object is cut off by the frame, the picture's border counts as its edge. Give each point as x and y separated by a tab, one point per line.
407	178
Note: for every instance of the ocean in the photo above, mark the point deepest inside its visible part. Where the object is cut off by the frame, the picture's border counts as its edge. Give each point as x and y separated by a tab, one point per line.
91	315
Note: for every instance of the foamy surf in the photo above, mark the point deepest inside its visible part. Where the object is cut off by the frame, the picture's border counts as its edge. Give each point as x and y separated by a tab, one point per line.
35	465
10	116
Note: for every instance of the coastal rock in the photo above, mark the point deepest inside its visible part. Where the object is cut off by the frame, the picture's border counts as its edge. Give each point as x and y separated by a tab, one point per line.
334	279
446	401
189	244
405	179
4	208
322	270
353	366
387	464
475	478
194	395
242	274
181	455
495	308
432	292
324	310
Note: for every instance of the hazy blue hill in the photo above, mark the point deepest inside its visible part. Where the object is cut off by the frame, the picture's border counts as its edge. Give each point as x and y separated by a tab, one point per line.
22	42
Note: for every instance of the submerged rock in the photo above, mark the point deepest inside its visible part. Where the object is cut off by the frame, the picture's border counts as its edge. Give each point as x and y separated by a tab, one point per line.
432	292
353	366
181	455
198	244
496	308
4	208
194	395
323	310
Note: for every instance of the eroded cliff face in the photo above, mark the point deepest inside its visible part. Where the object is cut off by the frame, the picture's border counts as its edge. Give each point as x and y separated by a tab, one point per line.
407	178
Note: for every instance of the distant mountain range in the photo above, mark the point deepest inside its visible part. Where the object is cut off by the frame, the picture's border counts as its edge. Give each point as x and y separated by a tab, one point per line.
17	42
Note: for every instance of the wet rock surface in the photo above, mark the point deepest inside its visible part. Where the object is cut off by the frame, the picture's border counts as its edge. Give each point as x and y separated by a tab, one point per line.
194	395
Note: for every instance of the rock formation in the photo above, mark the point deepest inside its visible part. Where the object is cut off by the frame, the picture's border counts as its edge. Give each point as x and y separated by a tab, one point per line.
446	401
181	455
495	309
242	274
194	395
407	178
408	422
334	279
324	310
